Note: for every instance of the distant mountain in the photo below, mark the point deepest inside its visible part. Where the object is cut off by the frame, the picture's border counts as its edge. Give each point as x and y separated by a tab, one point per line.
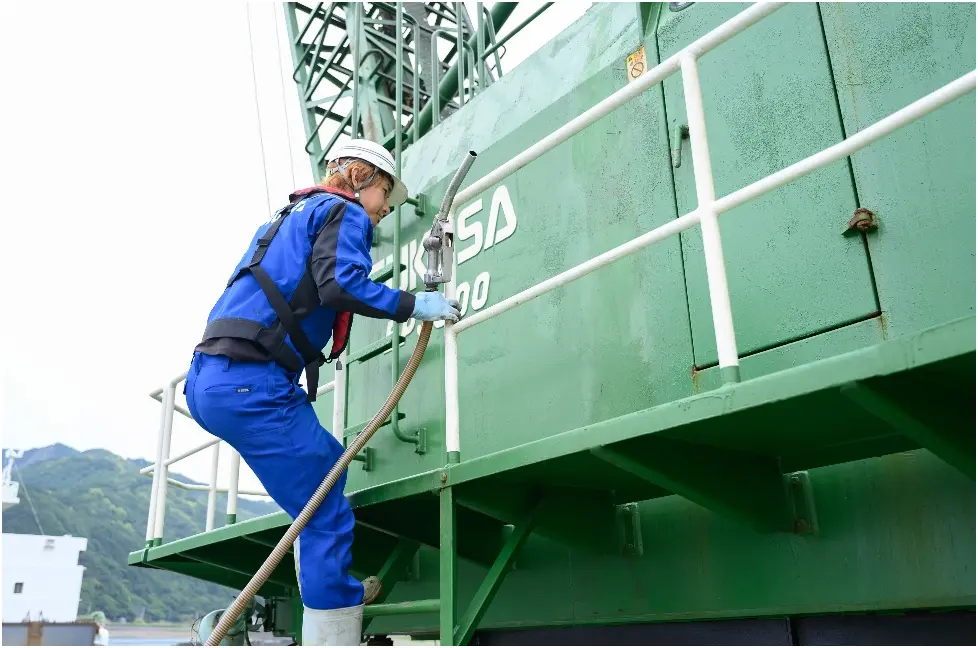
56	451
101	496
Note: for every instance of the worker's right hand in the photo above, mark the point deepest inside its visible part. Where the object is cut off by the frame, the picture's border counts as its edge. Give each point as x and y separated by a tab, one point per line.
432	306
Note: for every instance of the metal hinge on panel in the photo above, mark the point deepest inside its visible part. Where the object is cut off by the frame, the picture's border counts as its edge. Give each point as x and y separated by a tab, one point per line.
863	220
803	503
629	530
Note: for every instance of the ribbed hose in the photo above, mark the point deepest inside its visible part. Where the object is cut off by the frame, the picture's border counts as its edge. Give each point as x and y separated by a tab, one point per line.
282	548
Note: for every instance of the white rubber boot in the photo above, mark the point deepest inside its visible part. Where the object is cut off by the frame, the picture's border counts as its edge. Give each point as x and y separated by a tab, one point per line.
341	627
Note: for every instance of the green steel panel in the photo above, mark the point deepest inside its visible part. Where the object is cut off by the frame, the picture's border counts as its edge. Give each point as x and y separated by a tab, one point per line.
769	102
895	533
753	416
920	180
621	355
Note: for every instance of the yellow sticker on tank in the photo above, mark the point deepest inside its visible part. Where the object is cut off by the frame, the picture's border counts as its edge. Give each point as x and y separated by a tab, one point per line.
635	64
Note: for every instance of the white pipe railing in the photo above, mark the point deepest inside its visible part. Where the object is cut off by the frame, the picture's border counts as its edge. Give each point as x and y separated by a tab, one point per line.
206	487
232	510
157	503
183	455
708	207
212	488
339	398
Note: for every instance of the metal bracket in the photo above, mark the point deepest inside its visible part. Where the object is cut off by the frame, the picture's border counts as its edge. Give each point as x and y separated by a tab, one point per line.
420	205
803	503
367	457
421	446
629	530
863	220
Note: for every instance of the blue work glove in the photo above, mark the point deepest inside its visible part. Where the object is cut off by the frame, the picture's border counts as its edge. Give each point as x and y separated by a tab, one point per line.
432	306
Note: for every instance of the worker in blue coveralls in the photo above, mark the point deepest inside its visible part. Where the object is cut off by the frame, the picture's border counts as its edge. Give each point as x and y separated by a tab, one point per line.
304	275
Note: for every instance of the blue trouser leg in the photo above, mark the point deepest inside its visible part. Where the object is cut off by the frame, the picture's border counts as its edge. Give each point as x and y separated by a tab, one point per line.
260	410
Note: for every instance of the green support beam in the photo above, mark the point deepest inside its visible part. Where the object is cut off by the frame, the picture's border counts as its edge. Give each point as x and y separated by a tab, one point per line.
748	488
221	564
579	517
394	569
494	579
447	576
947	433
479	537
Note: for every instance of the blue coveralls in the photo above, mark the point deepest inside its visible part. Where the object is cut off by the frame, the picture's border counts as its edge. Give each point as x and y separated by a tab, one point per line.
243	383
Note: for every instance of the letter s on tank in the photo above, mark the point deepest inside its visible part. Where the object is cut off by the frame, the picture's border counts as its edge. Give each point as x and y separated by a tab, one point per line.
497	230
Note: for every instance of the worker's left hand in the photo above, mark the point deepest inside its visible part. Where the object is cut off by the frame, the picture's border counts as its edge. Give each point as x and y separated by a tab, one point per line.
432	306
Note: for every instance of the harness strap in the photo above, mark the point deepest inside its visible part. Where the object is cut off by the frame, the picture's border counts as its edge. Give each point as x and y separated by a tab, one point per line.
311	356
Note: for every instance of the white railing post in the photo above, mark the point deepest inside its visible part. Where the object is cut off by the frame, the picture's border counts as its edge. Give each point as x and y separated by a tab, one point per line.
452	432
716	273
160	474
158	467
452	439
232	514
212	493
339	398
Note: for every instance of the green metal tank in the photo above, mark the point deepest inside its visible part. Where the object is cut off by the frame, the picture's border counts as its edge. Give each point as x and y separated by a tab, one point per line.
613	477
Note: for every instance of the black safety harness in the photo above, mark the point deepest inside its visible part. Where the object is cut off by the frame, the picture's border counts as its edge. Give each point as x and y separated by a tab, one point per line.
306	298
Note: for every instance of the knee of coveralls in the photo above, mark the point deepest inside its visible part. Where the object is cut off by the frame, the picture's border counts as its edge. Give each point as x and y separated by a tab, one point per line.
261	412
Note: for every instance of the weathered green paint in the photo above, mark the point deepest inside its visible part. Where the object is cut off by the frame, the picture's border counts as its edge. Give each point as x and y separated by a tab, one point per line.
769	103
920	180
603	398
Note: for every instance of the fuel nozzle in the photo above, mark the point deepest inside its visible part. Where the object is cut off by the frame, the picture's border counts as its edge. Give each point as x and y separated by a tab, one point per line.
439	243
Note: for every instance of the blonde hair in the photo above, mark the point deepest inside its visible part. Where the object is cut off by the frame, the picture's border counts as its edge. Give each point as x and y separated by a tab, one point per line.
336	180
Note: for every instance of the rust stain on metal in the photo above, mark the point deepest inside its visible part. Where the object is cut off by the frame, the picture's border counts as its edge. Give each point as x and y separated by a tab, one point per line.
881	322
697	382
863	220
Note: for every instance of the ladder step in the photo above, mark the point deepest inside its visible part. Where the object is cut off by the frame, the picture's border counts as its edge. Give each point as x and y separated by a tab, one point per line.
374	349
424	606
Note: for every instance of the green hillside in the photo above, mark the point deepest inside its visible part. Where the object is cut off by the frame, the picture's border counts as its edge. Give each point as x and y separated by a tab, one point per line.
101	496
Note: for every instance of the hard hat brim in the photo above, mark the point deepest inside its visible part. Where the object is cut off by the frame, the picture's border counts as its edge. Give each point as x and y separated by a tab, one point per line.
398	193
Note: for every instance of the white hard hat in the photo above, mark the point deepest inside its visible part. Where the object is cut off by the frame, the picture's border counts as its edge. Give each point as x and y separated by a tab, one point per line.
375	154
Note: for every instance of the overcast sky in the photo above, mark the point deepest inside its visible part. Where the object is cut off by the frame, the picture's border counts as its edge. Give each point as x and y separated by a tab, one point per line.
133	178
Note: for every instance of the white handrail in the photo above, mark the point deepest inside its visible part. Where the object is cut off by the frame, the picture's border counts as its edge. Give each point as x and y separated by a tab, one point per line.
701	46
183	455
708	207
207	487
